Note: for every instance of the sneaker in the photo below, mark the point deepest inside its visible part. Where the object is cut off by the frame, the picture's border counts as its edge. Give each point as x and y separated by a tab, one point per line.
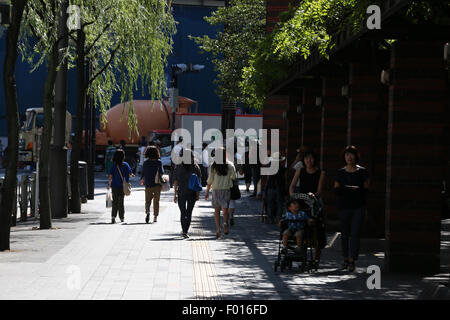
113	220
147	218
122	220
185	235
155	219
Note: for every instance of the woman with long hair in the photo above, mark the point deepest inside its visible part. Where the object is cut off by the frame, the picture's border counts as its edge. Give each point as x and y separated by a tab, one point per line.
220	180
351	186
150	169
120	171
184	196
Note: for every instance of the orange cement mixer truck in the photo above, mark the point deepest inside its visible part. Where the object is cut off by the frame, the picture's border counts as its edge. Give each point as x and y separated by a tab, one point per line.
154	122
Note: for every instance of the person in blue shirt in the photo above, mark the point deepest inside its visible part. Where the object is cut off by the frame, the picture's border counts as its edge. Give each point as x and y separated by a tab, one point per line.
152	189
116	183
296	225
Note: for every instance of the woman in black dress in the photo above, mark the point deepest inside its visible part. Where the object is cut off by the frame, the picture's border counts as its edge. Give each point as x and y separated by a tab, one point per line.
351	186
311	182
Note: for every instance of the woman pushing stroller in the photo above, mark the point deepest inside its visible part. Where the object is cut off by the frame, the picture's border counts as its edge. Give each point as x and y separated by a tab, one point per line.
311	179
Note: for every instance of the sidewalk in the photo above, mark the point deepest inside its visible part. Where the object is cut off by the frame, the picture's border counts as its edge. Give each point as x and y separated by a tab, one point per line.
135	260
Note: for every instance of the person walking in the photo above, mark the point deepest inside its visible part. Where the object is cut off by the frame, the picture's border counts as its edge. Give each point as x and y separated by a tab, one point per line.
246	167
351	186
256	169
220	180
275	189
150	169
311	180
119	172
109	154
184	196
205	164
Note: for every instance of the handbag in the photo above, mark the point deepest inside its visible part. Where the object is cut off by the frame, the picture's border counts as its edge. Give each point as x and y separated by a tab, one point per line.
194	183
166	185
235	192
159	178
126	185
108	200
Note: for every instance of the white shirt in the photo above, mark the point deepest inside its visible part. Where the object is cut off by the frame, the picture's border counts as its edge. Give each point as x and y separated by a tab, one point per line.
205	158
142	155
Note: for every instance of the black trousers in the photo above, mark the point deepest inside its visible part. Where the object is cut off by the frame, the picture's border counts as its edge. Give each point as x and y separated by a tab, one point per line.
186	204
117	205
256	173
204	171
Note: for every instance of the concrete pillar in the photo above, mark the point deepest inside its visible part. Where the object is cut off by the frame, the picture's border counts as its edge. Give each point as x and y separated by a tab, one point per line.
312	121
366	129
334	136
415	157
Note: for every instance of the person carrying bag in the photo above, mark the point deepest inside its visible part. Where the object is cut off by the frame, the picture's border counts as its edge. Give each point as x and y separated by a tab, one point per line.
187	187
118	181
153	180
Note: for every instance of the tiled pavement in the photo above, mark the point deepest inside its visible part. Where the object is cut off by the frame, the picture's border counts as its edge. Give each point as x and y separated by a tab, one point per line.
151	261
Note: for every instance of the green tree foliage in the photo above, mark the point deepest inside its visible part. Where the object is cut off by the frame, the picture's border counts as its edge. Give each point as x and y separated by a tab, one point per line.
243	24
125	40
310	27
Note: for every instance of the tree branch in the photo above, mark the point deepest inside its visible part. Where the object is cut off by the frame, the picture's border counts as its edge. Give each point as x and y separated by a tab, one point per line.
104	67
98	37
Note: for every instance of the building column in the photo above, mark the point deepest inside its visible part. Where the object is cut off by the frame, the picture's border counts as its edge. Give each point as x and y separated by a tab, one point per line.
334	137
415	157
366	129
312	117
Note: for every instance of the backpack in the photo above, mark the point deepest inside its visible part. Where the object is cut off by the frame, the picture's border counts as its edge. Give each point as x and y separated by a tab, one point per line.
194	183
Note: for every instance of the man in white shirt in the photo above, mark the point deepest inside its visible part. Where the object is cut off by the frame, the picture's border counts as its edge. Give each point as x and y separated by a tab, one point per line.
205	164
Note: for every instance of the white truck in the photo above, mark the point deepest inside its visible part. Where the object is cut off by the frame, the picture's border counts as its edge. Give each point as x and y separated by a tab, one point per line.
30	133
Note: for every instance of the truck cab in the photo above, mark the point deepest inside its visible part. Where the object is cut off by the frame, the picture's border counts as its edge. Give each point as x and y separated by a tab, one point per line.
30	133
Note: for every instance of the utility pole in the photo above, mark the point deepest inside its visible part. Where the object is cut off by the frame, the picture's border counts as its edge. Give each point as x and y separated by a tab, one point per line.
89	137
228	107
178	69
58	159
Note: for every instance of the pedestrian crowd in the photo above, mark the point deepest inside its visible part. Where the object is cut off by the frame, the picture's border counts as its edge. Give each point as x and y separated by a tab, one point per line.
218	172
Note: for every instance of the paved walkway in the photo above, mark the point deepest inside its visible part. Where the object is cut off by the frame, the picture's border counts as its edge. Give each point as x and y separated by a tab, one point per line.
85	257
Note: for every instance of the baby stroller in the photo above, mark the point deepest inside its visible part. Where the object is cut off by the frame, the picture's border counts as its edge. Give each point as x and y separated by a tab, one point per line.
304	256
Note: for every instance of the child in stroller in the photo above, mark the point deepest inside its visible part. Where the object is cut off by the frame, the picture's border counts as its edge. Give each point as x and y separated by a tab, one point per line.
293	224
308	236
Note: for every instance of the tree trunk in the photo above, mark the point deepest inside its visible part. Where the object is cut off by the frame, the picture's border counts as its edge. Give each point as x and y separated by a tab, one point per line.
12	116
58	162
44	155
76	147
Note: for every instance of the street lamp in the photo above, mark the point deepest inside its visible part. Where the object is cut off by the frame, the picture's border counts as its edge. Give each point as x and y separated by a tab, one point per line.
5	12
345	91
385	77
447	53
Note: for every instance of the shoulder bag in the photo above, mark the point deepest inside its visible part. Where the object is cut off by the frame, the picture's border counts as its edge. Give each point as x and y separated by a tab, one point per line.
126	185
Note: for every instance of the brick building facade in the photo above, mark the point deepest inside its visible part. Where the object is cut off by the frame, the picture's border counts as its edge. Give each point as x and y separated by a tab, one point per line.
400	127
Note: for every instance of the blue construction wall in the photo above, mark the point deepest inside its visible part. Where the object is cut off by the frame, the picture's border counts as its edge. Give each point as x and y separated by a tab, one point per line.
197	86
